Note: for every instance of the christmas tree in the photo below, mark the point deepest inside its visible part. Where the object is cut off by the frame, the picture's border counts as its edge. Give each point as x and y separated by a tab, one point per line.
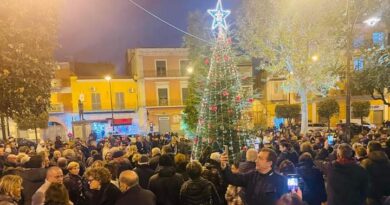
220	120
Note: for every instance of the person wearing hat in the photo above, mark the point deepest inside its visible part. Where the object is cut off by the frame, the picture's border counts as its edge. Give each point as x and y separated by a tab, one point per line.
120	162
144	171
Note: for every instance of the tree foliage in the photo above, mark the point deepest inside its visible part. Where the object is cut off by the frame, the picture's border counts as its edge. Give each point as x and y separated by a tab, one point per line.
28	38
374	79
361	109
288	111
199	53
327	108
287	35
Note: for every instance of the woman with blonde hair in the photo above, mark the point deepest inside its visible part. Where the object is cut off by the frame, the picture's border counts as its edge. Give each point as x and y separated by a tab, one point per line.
75	184
98	164
10	189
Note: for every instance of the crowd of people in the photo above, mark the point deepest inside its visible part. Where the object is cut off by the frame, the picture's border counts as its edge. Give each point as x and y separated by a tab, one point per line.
158	170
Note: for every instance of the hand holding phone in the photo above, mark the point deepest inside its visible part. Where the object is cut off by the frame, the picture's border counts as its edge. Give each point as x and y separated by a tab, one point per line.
292	182
330	139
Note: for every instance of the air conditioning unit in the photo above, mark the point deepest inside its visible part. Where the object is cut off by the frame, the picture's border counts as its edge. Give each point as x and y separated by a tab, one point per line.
93	89
131	90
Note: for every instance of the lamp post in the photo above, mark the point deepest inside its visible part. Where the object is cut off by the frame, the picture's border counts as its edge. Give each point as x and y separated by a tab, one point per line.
108	78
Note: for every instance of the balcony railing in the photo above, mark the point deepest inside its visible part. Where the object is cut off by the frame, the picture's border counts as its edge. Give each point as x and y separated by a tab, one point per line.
164	102
167	73
56	108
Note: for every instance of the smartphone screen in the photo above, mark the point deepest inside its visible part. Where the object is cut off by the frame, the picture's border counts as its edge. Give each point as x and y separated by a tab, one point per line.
292	182
330	139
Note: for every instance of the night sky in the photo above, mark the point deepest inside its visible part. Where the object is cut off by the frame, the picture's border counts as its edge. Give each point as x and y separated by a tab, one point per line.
102	30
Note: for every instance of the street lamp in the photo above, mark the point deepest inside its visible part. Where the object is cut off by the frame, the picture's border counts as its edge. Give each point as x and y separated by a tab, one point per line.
190	69
108	78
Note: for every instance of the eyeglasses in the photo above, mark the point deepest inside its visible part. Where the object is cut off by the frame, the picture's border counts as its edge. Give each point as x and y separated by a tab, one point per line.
90	180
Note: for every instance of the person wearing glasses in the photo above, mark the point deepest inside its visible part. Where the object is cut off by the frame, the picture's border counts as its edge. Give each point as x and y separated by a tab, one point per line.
103	192
53	175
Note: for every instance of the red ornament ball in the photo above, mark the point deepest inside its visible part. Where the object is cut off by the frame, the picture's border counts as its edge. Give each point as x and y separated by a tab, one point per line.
206	61
225	93
226	58
238	98
213	108
250	100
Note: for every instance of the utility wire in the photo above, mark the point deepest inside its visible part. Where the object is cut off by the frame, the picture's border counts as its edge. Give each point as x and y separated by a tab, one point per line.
166	22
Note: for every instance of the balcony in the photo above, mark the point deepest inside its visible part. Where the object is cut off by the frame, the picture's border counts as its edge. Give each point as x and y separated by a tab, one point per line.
56	108
168	73
164	103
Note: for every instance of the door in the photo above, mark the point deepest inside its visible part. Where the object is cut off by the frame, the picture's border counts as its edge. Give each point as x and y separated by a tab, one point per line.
164	125
378	117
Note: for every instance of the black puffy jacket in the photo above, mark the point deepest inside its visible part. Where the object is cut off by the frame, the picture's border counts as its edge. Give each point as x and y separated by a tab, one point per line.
166	186
199	192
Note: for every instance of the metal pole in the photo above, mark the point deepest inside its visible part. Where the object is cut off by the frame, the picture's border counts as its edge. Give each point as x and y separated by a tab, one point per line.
112	109
347	80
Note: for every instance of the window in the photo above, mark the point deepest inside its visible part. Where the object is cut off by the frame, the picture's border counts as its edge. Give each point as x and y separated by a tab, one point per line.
183	67
184	95
277	87
358	41
358	63
96	105
378	39
119	101
162	96
161	68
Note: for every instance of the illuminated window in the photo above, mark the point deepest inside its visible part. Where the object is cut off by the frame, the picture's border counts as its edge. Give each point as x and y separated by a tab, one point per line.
358	63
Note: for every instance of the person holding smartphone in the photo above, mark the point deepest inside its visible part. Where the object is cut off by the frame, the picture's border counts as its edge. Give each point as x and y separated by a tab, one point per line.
263	186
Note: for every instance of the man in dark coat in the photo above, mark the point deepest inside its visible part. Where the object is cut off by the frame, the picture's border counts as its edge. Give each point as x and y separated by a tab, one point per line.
132	192
347	181
286	152
153	162
378	167
33	178
143	171
121	163
166	183
313	189
263	186
198	190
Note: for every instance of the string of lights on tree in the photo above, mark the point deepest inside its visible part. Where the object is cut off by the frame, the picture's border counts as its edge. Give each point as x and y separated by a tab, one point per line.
221	119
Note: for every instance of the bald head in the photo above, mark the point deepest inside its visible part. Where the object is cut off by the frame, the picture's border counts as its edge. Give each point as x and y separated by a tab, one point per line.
251	155
128	179
54	175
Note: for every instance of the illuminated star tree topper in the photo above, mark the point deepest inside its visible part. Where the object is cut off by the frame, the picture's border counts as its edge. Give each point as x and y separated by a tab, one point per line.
219	16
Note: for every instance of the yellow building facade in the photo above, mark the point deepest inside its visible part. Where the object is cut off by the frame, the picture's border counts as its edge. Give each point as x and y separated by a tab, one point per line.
162	76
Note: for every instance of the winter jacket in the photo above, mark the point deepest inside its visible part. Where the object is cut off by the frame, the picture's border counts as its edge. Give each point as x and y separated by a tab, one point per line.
313	189
76	188
378	167
346	184
199	192
137	196
107	195
261	189
166	186
32	180
144	173
7	200
153	162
